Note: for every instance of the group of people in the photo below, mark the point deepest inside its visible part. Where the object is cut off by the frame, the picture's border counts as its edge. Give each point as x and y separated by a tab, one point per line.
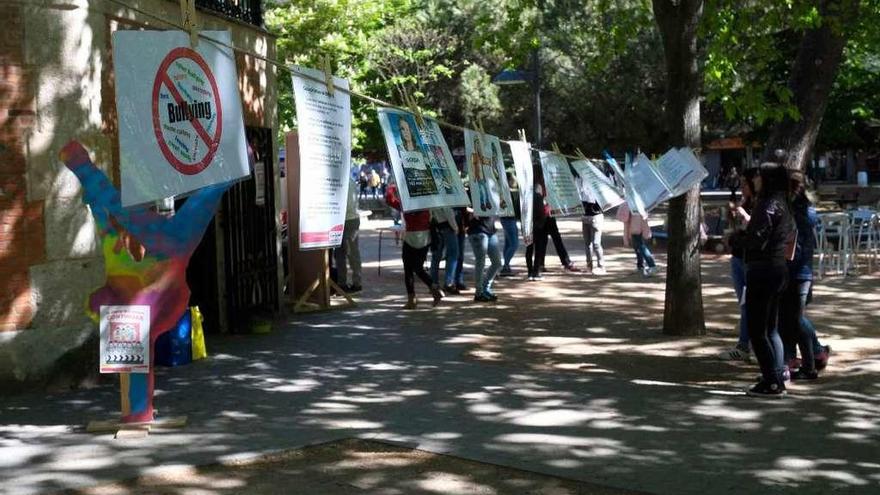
442	232
772	247
370	181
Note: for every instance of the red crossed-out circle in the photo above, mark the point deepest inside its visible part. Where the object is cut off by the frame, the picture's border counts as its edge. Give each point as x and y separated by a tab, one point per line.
213	142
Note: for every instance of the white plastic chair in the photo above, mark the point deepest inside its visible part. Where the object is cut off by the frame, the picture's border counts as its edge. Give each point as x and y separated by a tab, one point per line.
865	233
834	243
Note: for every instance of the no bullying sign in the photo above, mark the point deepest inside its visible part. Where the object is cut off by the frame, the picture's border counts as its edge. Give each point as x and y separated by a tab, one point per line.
180	120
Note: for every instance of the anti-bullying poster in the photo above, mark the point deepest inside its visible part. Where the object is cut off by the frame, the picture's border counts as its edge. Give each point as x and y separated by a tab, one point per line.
595	187
125	339
422	164
522	164
324	122
490	193
179	108
562	192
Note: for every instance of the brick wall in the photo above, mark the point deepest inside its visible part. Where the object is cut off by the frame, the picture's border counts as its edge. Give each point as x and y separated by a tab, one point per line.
22	233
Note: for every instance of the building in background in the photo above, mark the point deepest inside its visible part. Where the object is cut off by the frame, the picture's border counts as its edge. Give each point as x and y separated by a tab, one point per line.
58	85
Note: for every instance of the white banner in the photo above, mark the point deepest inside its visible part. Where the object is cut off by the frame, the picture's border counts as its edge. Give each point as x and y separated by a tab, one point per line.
595	187
324	125
522	162
179	111
423	168
490	193
125	339
644	187
562	192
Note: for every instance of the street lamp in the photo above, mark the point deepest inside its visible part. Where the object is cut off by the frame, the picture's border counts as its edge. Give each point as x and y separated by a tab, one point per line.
509	77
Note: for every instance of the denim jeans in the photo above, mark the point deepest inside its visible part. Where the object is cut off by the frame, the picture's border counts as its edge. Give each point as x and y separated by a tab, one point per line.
459	267
485	244
511	239
796	330
765	283
643	254
738	274
592	229
448	242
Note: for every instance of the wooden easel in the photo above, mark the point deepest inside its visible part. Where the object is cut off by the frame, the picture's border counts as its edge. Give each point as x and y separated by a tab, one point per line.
309	271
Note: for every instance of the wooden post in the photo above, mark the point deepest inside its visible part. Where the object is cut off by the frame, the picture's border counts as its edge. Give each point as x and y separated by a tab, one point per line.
309	280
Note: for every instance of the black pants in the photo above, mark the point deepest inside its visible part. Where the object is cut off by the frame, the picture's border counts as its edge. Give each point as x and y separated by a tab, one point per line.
536	250
765	283
552	229
414	265
791	311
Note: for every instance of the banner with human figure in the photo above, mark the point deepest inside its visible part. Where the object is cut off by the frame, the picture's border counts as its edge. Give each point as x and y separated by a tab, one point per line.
524	172
562	192
422	164
324	125
490	193
595	187
179	111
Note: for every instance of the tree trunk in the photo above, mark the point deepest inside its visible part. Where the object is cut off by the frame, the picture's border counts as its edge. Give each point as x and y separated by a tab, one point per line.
812	77
678	21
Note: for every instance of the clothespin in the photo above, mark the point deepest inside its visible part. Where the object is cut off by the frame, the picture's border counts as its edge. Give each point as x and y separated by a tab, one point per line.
556	149
188	16
581	155
328	75
522	135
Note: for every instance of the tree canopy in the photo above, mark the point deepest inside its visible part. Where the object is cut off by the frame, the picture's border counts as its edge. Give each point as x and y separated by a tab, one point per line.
603	73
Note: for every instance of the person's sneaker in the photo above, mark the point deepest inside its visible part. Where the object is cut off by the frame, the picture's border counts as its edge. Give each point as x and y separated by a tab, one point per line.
539	277
491	295
505	272
351	289
736	353
571	267
803	374
821	358
764	389
599	271
651	271
451	290
646	272
794	363
481	298
461	287
412	304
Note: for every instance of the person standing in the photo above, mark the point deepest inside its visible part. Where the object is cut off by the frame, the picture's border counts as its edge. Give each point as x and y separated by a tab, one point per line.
511	232
484	241
768	237
591	224
537	249
446	240
739	218
636	231
416	241
375	181
795	330
349	250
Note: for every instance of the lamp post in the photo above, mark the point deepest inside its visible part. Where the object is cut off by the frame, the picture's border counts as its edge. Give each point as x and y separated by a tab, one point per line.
510	77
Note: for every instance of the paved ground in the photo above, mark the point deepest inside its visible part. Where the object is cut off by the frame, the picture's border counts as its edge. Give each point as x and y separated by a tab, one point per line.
568	377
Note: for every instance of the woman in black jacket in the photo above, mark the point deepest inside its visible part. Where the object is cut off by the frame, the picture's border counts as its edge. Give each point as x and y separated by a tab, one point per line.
767	240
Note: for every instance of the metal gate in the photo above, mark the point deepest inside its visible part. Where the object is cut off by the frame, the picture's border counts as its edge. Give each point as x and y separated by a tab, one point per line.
249	238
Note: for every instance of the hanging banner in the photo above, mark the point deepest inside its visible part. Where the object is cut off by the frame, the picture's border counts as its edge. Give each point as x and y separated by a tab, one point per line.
595	187
645	188
423	168
324	125
490	193
681	170
125	339
562	192
522	163
179	111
